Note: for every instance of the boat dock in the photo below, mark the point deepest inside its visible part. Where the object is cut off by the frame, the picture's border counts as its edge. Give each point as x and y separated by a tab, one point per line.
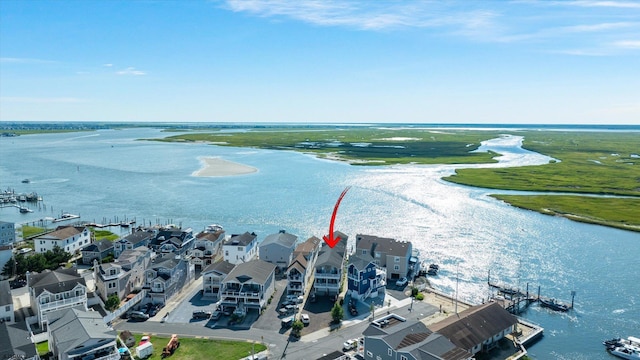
515	301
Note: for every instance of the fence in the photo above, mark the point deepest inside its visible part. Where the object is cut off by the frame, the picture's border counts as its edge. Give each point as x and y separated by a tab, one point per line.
125	307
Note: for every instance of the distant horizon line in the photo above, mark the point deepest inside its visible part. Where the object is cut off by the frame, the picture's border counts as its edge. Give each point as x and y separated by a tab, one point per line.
270	123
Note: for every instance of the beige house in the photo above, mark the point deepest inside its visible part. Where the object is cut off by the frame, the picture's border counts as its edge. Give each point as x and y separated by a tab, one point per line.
389	253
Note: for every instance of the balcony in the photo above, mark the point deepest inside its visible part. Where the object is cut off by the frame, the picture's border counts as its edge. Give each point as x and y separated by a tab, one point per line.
241	295
327	275
297	277
64	303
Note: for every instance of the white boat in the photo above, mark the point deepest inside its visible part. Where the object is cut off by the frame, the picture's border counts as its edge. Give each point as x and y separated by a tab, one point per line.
628	348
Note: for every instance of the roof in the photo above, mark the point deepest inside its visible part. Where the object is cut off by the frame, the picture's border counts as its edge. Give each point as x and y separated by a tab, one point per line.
475	325
210	236
16	340
99	246
256	270
281	238
129	256
387	246
63	232
5	293
138	236
55	281
330	257
168	261
222	267
76	327
436	346
241	240
360	261
299	263
310	245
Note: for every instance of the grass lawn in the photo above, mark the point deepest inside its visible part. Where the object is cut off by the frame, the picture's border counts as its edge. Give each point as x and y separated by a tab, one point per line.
30	231
104	234
197	349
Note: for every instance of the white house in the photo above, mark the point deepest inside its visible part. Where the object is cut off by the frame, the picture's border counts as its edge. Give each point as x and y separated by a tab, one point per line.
68	238
240	248
80	335
207	246
56	290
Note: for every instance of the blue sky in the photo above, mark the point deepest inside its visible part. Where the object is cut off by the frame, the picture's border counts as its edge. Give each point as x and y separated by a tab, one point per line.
457	61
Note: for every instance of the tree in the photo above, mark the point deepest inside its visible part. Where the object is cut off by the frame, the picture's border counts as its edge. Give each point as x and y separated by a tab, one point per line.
337	313
296	328
414	291
113	302
7	270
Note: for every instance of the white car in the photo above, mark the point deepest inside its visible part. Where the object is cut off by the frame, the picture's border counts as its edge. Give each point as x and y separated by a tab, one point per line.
350	344
305	319
402	282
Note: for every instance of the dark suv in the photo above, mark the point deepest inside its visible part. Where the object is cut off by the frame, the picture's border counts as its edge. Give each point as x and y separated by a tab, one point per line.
201	314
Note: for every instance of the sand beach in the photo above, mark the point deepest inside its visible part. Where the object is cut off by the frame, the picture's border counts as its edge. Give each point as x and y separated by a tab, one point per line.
214	166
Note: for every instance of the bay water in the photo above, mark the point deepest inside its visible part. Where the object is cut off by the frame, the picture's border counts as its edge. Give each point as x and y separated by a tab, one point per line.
109	174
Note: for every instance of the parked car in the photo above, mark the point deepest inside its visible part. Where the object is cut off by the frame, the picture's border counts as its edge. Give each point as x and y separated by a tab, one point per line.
200	314
138	316
349	345
305	319
402	282
227	311
287	322
216	315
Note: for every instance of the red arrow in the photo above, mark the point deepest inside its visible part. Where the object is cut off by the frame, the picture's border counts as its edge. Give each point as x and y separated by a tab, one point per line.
330	240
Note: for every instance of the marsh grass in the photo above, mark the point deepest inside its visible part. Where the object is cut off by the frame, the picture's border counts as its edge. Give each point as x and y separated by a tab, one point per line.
361	146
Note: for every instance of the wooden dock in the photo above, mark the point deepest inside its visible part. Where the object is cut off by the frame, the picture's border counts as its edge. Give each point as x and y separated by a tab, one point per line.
515	301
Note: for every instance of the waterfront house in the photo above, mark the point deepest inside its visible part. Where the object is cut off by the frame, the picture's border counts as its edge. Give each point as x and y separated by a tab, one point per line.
6	253
172	240
301	268
240	248
80	335
477	328
124	275
6	302
249	286
207	246
7	233
328	269
97	250
278	249
364	277
137	239
69	238
213	277
394	338
389	253
166	275
59	289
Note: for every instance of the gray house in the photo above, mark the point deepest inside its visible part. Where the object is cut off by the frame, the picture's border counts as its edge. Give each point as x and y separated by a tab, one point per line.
6	302
278	249
386	252
82	335
98	250
394	338
213	277
248	286
136	239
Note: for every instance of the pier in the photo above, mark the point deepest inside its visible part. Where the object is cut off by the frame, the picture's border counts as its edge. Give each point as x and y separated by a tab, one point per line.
515	301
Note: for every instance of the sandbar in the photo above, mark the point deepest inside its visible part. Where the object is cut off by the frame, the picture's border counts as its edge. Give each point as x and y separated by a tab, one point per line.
214	166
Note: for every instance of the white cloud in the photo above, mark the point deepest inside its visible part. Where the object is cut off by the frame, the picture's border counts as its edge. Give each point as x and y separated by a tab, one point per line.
108	65
595	3
12	60
627	44
41	100
365	15
131	71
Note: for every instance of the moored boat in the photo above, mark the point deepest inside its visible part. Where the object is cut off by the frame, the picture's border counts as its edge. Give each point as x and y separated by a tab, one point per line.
554	305
628	348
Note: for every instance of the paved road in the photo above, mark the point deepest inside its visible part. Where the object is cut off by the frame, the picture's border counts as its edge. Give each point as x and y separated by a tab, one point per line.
309	347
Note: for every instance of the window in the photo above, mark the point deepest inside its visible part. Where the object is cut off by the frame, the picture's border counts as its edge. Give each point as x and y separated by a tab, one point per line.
377	255
7	308
364	252
396	267
389	352
402	357
369	354
226	253
396	259
240	248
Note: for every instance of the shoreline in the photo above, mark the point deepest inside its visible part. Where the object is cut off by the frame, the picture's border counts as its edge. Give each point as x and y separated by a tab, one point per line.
217	167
